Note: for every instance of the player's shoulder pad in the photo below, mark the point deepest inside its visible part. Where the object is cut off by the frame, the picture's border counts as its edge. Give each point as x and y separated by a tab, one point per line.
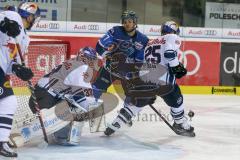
172	39
115	29
13	16
142	37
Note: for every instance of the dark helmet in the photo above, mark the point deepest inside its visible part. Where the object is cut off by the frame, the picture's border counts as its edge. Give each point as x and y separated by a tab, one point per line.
10	8
170	27
129	15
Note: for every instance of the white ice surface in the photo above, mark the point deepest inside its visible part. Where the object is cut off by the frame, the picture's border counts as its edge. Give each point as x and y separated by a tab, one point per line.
217	127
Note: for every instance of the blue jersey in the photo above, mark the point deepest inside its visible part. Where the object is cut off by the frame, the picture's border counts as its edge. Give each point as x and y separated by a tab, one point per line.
133	47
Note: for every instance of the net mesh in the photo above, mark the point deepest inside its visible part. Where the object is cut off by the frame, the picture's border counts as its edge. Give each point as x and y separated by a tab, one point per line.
42	57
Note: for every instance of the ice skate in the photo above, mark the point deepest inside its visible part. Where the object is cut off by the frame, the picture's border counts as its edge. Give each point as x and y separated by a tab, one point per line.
183	128
112	128
6	151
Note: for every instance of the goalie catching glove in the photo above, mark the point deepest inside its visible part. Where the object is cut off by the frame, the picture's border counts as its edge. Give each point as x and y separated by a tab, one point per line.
22	72
179	71
10	27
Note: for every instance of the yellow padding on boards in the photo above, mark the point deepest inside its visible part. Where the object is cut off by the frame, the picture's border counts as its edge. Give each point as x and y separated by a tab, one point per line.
196	89
216	90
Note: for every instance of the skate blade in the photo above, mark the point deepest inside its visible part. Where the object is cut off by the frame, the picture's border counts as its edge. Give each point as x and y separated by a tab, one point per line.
187	134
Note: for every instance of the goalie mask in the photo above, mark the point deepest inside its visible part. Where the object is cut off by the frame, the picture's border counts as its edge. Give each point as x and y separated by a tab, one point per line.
27	10
126	15
170	27
87	55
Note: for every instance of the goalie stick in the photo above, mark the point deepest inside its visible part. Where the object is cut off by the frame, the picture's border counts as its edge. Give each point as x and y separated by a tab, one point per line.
31	88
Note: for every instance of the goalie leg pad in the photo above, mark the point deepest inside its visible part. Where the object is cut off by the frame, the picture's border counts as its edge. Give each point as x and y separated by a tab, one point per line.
69	135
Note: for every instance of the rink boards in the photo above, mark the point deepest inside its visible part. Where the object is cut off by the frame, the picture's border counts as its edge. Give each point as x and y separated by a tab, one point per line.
218	90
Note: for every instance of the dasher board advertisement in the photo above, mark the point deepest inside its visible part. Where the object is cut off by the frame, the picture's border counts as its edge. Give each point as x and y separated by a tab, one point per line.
222	15
230	64
202	60
53	10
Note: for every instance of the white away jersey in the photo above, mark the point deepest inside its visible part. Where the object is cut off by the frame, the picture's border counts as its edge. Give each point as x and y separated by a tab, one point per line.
72	76
8	49
163	50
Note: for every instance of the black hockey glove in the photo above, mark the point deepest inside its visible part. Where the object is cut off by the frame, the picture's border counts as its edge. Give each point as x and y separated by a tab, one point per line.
179	71
22	72
10	27
141	102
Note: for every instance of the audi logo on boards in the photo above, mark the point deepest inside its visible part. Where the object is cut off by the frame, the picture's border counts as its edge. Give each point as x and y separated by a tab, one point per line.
210	32
53	26
93	27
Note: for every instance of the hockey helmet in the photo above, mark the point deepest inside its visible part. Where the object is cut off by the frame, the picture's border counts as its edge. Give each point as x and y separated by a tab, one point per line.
129	15
170	27
89	53
10	8
26	9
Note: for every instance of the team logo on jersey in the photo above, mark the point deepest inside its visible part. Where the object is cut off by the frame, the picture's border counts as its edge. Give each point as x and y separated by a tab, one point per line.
138	45
157	41
1	90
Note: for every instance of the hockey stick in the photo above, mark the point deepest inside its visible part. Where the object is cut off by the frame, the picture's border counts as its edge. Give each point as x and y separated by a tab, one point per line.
161	116
31	88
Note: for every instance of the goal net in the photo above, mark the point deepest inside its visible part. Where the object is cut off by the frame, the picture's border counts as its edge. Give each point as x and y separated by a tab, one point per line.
42	57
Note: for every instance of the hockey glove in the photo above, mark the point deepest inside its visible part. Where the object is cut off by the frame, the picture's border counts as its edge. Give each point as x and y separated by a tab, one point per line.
179	71
141	102
22	72
10	27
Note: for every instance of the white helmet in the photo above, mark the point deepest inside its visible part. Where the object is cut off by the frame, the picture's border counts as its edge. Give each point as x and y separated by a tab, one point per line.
27	9
170	27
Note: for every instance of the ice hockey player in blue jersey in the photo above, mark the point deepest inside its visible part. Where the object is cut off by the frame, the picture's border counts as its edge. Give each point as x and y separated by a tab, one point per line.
126	39
126	44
